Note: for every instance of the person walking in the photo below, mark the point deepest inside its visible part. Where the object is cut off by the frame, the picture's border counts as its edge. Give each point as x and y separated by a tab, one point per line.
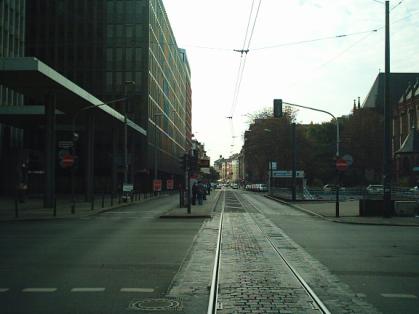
194	193
200	193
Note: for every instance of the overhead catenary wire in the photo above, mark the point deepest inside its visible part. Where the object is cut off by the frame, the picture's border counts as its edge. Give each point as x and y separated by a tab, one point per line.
243	54
251	23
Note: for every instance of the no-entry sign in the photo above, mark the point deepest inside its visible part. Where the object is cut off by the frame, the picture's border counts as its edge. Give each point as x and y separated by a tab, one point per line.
67	161
341	164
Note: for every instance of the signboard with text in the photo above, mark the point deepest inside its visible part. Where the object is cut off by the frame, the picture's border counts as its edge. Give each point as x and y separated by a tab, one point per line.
287	174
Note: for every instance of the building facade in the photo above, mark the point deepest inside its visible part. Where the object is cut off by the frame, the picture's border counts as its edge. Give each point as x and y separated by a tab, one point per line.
12	44
125	53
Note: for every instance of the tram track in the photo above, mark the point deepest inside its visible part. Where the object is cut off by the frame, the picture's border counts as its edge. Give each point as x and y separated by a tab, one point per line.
234	203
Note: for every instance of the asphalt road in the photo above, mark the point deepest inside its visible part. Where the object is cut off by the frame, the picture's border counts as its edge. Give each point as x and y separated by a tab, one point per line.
380	263
99	264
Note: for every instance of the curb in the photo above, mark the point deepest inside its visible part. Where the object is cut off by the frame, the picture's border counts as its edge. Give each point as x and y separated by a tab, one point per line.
307	211
83	215
211	209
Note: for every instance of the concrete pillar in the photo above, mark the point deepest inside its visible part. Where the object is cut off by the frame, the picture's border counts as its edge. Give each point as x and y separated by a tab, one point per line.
50	150
115	136
90	128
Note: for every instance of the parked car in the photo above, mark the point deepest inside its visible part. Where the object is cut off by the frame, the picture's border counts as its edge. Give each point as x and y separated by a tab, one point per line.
375	188
414	190
262	187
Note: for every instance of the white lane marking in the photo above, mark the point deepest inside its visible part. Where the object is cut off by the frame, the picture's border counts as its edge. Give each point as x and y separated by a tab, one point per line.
87	289
110	213
39	290
136	290
399	295
4	289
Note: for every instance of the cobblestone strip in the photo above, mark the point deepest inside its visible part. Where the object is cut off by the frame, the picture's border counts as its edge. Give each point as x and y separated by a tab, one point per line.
191	283
336	295
252	277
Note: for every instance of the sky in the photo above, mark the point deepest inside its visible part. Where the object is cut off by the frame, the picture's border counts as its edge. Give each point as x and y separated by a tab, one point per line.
297	53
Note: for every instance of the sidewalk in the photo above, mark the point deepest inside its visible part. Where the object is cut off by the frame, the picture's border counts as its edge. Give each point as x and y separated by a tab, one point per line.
32	208
206	210
348	213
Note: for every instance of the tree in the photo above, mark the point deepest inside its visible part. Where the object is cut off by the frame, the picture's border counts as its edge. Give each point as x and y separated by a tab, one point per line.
363	138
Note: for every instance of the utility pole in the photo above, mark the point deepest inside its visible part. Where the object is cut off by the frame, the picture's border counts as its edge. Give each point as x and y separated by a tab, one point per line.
294	162
125	186
387	166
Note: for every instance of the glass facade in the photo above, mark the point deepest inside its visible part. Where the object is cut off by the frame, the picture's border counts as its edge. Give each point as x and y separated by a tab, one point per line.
169	94
12	43
103	44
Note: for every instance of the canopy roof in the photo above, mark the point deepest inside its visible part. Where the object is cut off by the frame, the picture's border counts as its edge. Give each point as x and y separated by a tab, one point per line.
33	78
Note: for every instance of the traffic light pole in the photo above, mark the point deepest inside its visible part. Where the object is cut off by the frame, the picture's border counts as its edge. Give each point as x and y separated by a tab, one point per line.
278	112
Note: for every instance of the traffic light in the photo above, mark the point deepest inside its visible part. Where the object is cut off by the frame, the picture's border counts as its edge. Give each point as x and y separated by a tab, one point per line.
277	108
194	162
184	162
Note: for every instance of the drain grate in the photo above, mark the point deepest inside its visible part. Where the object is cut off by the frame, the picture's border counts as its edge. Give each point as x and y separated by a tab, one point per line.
166	304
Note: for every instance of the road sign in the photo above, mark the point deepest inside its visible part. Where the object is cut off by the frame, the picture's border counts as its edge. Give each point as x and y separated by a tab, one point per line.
67	161
287	174
126	187
341	164
157	185
204	163
169	184
349	159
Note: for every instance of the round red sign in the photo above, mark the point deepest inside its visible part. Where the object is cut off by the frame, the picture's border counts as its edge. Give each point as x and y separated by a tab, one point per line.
67	161
341	164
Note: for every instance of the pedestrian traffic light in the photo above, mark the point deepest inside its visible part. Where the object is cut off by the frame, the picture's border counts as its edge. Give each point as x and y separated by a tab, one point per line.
194	162
184	162
277	108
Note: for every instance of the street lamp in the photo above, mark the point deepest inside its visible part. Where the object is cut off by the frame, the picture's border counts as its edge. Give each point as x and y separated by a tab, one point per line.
75	139
125	186
155	147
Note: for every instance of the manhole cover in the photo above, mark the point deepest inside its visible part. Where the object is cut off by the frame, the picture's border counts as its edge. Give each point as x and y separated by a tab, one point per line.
156	305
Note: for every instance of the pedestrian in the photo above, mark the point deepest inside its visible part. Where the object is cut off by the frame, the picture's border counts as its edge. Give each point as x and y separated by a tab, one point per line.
22	176
194	193
200	192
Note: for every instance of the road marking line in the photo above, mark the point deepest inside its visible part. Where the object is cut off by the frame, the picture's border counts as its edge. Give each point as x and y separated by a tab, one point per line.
4	289
87	289
137	290
399	295
39	290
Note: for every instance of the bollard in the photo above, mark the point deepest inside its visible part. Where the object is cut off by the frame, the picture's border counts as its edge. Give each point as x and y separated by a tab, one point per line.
54	213
111	199
92	205
103	199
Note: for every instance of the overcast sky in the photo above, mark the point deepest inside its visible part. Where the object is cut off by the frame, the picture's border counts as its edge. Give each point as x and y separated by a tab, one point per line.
296	52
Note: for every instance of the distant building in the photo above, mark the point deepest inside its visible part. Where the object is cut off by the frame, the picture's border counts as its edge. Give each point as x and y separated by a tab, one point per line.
406	135
12	44
398	85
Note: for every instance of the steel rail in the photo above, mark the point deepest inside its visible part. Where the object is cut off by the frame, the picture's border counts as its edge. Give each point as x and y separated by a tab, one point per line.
305	285
213	296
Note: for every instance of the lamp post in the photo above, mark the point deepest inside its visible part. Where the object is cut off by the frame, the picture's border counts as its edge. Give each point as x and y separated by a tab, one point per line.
75	139
125	186
155	148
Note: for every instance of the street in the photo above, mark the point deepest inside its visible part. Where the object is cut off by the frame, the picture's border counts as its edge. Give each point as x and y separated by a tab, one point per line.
97	264
378	262
113	261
